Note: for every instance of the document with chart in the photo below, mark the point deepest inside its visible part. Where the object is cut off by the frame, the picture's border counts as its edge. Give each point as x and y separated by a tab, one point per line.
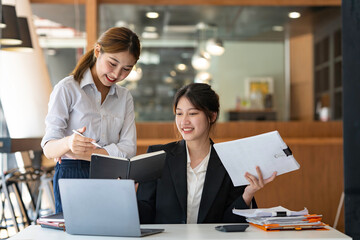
268	151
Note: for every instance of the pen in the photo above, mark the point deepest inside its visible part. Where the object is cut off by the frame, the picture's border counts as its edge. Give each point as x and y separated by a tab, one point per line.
80	134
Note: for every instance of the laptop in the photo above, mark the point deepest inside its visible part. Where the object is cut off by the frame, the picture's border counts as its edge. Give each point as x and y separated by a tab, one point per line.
105	207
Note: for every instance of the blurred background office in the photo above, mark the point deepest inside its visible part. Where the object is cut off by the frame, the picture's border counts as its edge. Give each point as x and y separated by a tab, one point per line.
251	69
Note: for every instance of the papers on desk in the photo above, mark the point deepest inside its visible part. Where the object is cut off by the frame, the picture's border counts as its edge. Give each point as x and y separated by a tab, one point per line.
268	151
280	218
54	221
269	212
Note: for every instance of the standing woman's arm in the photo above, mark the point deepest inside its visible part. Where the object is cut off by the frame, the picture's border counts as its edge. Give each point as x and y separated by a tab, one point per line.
56	143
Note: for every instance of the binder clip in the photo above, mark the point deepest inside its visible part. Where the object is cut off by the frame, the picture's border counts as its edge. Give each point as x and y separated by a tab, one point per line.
287	151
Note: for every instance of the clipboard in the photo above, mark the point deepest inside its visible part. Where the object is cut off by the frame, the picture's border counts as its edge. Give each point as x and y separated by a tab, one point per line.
268	151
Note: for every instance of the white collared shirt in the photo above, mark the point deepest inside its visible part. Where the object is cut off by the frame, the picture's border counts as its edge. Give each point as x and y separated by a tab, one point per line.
111	124
195	185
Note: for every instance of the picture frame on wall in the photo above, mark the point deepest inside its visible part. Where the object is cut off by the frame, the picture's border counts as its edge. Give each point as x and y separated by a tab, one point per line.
260	91
263	84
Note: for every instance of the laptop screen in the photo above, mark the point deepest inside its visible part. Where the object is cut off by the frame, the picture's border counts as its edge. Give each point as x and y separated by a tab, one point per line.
100	207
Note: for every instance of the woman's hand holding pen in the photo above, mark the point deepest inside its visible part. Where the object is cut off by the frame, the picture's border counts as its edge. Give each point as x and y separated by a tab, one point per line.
79	144
255	184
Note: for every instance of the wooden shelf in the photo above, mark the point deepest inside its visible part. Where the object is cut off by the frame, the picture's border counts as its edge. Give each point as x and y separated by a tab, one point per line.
252	115
11	145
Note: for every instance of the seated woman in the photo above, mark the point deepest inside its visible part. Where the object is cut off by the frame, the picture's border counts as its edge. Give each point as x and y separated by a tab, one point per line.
195	187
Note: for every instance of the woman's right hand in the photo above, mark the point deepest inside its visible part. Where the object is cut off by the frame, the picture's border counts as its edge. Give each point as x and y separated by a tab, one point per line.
79	145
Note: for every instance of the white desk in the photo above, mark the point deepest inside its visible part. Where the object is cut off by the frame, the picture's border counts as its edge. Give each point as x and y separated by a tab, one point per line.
186	231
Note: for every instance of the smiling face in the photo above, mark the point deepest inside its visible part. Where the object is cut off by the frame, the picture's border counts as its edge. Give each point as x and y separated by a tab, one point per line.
192	123
111	68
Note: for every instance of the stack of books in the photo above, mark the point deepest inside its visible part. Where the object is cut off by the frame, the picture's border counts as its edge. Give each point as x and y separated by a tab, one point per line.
54	221
280	218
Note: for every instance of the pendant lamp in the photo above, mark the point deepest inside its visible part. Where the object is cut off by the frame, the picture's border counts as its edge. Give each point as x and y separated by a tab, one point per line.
10	35
215	46
135	74
2	23
26	45
201	60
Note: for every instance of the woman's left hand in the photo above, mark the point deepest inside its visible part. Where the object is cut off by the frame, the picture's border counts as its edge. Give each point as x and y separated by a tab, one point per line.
57	160
255	184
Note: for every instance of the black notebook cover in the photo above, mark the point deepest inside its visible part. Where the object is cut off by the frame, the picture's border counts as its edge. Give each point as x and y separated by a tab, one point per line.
141	168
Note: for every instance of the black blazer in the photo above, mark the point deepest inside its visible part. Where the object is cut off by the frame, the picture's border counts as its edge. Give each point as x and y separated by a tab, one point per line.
165	200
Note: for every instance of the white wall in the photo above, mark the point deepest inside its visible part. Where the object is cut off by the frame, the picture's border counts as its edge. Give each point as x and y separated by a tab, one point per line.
243	60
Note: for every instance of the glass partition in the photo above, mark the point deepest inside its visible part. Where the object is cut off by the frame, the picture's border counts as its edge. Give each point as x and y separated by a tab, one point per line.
251	76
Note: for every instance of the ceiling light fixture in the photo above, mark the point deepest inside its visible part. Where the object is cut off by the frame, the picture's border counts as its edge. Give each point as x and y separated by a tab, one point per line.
149	58
26	45
2	22
294	15
201	26
172	73
10	34
203	77
150	29
201	61
168	79
121	23
181	67
150	35
60	32
135	74
152	15
45	23
278	28
215	46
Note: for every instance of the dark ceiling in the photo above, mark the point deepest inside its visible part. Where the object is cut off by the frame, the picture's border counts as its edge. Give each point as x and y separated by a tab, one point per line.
235	23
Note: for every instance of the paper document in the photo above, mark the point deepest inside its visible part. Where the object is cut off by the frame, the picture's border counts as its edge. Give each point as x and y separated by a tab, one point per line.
280	218
269	212
268	151
285	221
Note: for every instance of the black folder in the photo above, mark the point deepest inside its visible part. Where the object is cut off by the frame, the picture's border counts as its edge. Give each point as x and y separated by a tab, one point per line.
142	168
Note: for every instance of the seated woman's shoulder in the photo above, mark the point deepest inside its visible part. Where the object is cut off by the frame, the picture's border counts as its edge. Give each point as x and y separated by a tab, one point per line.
165	147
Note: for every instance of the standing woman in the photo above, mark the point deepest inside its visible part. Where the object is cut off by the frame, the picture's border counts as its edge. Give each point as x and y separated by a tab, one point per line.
90	101
195	187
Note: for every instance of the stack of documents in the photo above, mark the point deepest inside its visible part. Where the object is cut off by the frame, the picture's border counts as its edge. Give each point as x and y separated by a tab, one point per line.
55	221
280	218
